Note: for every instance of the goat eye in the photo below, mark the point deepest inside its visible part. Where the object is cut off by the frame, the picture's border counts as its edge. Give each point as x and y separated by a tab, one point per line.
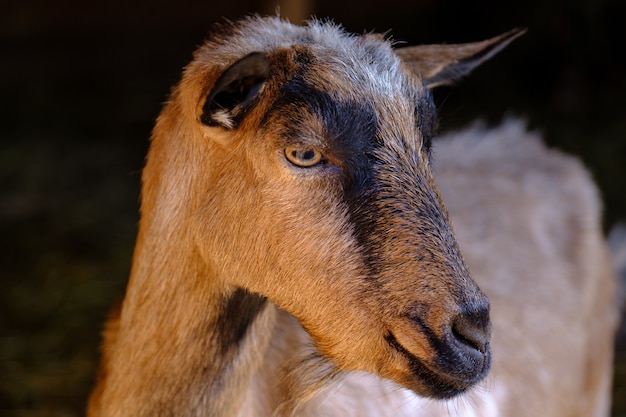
303	158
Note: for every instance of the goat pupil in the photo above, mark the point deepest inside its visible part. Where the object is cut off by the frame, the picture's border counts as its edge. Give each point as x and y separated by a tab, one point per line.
306	155
303	155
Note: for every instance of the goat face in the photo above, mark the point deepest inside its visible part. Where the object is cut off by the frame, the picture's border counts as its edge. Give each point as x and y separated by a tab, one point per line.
311	153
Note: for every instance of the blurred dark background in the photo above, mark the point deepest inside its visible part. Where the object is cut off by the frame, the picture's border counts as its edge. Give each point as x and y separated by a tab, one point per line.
82	82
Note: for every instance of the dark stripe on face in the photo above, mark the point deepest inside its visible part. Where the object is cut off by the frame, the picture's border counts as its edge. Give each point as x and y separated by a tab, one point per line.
352	135
364	214
395	207
425	114
237	315
348	127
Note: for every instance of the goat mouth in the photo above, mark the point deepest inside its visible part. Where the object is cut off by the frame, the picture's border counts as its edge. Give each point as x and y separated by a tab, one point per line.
438	383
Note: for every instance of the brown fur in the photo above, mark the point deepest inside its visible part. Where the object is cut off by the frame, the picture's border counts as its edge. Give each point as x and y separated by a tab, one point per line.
256	283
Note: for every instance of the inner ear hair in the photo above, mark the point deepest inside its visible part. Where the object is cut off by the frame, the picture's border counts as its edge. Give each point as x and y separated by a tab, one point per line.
235	91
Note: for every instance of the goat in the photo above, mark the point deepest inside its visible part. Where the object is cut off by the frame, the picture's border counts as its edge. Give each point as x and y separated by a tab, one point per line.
292	237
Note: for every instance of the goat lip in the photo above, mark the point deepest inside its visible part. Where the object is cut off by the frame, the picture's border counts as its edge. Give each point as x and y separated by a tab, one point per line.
438	382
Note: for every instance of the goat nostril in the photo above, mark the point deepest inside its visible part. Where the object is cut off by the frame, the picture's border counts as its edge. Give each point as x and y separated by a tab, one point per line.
472	329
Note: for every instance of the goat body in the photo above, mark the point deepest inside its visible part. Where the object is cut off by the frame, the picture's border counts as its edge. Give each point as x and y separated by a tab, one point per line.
294	255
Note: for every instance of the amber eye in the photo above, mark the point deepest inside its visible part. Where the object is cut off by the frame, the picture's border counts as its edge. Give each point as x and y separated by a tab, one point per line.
303	158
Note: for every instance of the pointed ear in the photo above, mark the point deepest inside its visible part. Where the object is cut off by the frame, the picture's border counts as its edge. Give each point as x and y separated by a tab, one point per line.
445	64
235	91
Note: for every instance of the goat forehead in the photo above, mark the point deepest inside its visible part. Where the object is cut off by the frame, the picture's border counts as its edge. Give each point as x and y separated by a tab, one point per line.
372	73
367	60
348	94
372	78
349	124
272	33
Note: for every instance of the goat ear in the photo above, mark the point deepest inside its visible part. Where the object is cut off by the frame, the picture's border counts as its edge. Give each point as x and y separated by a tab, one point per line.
445	64
235	91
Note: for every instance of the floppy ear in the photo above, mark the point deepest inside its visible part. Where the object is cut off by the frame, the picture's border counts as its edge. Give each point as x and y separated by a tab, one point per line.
445	64
235	91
